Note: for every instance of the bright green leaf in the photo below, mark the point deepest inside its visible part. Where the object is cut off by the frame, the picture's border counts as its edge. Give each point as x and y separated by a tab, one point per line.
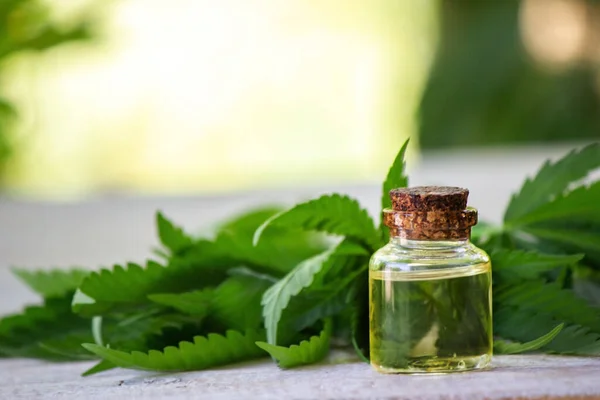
99	367
552	180
51	283
172	236
506	347
396	178
570	238
204	352
333	214
307	352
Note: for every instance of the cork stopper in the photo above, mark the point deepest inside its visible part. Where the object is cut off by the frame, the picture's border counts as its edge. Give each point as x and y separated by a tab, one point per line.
430	213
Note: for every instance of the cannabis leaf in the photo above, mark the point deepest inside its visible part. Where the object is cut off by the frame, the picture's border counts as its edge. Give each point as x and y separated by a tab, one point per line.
518	265
277	297
334	214
236	303
307	352
172	236
105	290
552	180
514	324
51	283
396	178
549	298
204	352
51	323
195	303
506	347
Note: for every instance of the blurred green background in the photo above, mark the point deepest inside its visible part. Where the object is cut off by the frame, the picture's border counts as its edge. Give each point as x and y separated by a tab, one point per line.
147	96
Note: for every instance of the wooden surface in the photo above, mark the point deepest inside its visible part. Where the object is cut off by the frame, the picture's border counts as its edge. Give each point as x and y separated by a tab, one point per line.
102	231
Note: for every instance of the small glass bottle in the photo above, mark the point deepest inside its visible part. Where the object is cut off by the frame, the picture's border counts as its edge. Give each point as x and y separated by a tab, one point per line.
429	287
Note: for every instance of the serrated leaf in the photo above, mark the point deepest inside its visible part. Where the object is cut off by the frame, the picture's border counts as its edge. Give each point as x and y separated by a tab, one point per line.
552	180
236	303
578	204
277	297
518	265
172	236
570	238
51	283
506	347
396	178
551	299
204	352
196	303
51	323
307	352
105	290
522	325
334	214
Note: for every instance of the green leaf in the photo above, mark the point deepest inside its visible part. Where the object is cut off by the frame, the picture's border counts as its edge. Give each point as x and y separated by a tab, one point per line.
195	303
246	223
106	290
172	236
578	204
307	352
51	283
236	303
203	353
518	265
99	367
51	323
396	178
551	299
506	347
522	325
277	297
552	180
570	238
334	214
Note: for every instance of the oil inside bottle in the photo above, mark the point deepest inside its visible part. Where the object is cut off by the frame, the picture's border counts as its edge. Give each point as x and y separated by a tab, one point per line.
435	320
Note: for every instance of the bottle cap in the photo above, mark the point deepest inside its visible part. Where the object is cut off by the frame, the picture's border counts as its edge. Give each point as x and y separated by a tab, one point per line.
430	213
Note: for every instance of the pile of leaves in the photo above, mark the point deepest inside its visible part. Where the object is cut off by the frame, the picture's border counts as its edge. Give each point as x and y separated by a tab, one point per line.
292	283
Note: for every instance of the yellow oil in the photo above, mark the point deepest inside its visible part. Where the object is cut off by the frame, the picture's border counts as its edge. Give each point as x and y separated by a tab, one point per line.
431	320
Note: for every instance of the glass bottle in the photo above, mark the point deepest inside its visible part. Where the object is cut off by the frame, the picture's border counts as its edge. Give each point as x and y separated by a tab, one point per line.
430	287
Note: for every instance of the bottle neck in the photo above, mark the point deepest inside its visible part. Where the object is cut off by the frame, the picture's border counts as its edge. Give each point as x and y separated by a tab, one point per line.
428	244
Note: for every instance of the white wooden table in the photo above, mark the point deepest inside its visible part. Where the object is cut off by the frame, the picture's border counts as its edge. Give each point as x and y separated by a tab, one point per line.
101	231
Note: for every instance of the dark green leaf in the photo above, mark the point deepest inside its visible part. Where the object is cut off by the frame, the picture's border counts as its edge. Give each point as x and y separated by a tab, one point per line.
307	352
518	265
204	352
277	297
237	302
506	347
578	204
52	283
195	303
552	180
334	214
120	287
551	299
396	178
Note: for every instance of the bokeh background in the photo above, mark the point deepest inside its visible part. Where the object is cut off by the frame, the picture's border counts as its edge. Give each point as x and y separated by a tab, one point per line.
207	96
